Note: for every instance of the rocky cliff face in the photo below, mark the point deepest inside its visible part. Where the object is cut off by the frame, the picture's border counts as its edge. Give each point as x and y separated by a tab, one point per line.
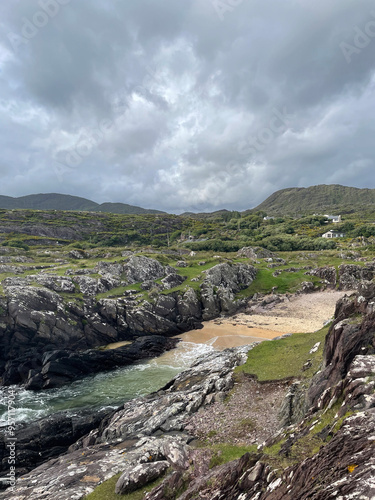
47	313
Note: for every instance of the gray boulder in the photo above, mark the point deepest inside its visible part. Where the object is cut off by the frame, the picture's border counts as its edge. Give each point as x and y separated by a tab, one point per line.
140	268
138	476
233	277
172	280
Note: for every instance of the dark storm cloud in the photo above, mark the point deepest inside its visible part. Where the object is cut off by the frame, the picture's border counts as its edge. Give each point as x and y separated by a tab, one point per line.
192	105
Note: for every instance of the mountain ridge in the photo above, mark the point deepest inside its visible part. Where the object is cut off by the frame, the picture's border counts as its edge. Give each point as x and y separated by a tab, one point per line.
319	198
57	201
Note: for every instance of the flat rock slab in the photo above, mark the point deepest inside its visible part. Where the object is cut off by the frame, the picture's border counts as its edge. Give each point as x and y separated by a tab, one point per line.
140	475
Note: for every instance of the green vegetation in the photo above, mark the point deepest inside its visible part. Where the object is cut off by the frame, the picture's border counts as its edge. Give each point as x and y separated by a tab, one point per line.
284	358
106	490
322	198
225	452
322	426
285	282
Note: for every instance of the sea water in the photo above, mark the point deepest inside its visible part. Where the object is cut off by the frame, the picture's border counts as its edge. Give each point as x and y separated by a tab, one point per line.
102	390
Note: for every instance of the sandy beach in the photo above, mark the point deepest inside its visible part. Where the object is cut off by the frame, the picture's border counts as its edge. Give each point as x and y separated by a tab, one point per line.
300	313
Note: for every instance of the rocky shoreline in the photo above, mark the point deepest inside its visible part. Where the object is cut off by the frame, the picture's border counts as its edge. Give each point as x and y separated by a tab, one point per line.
143	428
151	435
48	336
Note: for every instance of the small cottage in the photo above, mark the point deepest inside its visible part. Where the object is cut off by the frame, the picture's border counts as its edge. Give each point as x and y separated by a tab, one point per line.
333	218
333	234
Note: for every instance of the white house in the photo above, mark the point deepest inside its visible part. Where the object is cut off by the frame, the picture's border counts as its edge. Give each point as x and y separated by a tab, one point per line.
333	218
333	234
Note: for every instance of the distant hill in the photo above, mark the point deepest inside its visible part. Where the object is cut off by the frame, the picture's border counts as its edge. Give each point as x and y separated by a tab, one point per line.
55	201
324	198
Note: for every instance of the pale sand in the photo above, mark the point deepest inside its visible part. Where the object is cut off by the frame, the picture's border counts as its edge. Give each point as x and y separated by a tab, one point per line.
115	345
302	313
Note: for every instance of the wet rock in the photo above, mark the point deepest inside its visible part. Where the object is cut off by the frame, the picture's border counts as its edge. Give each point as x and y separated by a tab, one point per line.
48	437
61	367
128	437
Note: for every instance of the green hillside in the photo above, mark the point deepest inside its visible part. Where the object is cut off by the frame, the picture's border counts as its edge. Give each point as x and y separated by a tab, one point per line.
321	199
55	201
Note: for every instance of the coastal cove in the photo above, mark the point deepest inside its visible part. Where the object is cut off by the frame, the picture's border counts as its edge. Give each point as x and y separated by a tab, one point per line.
108	390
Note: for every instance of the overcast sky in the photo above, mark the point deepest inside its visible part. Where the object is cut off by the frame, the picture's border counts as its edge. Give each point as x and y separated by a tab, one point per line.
185	104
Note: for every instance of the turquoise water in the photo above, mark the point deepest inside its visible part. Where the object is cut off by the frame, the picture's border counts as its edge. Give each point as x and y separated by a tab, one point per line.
103	390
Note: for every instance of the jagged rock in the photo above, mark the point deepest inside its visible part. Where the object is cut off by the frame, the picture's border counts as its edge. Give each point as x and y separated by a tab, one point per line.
255	253
293	407
149	284
108	268
307	287
232	277
138	476
78	254
172	280
181	263
98	456
140	268
42	317
60	367
328	274
165	306
89	286
341	469
366	289
189	307
176	454
350	275
49	437
346	339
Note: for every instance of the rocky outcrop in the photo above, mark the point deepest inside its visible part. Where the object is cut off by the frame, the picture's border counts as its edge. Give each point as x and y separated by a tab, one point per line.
46	312
145	430
351	275
48	437
255	253
328	275
343	469
138	476
60	367
351	333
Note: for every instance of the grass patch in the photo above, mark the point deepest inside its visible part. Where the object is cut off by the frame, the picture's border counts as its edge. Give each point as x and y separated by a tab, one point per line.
285	282
309	444
106	490
225	452
119	291
284	358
